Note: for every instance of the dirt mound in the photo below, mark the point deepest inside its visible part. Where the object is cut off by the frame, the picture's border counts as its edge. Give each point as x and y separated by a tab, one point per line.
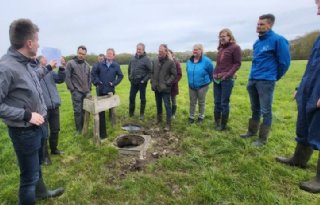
163	144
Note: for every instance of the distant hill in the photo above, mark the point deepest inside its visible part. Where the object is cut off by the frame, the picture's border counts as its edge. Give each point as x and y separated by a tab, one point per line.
301	46
300	50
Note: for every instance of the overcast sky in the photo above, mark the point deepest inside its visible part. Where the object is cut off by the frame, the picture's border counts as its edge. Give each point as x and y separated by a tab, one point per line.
121	24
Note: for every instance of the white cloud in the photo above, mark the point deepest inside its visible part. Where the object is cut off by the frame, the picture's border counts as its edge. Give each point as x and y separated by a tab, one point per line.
121	24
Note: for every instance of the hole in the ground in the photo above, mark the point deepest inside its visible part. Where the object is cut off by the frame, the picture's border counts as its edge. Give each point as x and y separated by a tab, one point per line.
129	141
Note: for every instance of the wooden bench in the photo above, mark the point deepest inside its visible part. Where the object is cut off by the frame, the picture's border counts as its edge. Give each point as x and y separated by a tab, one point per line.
94	105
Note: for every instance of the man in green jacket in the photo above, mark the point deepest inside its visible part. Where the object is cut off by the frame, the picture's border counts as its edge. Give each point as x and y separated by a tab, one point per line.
163	74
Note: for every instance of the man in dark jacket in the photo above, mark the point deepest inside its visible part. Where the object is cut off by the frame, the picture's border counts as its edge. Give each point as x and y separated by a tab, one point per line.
308	129
271	60
106	75
79	84
53	102
139	73
23	109
163	74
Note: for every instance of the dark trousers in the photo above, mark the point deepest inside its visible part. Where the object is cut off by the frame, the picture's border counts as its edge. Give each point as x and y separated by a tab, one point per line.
308	129
135	87
54	125
77	101
27	144
222	93
102	120
166	100
173	99
261	96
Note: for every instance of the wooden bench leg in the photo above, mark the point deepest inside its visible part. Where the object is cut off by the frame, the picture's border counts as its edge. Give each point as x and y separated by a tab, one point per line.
113	116
86	119
96	129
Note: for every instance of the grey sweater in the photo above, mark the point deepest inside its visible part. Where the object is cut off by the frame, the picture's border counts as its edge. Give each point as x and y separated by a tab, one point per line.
78	76
20	92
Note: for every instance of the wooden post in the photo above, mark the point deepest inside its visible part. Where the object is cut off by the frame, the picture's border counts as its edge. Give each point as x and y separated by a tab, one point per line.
86	119
96	129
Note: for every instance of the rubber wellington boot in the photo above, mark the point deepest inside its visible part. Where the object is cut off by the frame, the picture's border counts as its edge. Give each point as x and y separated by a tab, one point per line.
45	153
131	110
159	119
263	135
217	120
142	108
300	157
224	121
313	186
43	193
252	129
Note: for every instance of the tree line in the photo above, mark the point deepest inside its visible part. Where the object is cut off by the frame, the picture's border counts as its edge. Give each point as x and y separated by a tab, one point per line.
300	49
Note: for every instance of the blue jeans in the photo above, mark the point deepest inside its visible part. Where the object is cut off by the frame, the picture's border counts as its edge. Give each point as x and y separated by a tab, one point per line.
27	143
166	100
222	93
261	96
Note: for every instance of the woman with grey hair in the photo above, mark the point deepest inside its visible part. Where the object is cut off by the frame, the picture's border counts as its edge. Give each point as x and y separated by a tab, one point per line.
199	72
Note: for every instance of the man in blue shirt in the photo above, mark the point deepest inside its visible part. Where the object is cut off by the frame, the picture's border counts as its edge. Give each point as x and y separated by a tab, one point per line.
271	60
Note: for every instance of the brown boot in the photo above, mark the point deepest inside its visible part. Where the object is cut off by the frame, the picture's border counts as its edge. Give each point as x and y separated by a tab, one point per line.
263	135
300	157
313	186
252	129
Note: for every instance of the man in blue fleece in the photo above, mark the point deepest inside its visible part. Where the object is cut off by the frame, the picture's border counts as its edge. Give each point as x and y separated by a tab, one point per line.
271	60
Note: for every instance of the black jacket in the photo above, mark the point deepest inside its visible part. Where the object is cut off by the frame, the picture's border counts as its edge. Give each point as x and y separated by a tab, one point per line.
139	69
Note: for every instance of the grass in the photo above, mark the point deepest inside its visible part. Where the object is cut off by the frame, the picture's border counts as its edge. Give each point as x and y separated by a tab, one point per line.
207	167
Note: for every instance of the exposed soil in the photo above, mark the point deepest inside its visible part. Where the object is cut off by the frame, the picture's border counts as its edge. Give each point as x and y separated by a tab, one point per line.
162	144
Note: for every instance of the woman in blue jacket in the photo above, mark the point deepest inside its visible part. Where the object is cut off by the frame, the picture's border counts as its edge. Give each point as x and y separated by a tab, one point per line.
199	72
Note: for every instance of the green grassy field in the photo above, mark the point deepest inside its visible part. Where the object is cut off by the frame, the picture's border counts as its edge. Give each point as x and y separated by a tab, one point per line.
202	166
